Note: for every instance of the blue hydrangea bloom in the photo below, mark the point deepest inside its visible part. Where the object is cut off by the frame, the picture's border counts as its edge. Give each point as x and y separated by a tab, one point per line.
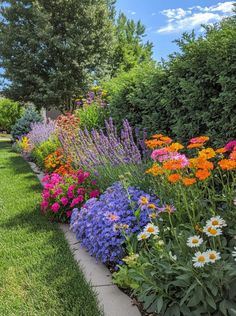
95	224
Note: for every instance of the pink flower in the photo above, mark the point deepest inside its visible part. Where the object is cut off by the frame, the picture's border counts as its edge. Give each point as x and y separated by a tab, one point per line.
48	186
77	200
45	178
230	145
94	194
71	188
81	191
57	192
55	207
68	213
70	194
46	194
158	152
64	200
93	182
44	205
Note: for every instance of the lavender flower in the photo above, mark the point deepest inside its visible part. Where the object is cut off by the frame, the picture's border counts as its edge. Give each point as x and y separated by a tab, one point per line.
41	132
100	147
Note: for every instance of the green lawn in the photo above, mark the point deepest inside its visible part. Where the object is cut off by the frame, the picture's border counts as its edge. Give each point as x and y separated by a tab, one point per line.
38	275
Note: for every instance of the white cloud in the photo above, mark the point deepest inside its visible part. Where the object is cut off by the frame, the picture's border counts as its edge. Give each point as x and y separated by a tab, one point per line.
133	12
154	13
179	20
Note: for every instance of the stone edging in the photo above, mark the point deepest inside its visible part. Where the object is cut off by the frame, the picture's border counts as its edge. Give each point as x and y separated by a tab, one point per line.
112	300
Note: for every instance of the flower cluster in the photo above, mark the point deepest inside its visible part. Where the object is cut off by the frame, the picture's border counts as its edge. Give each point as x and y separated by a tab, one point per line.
67	122
56	162
100	147
95	96
212	228
102	225
41	131
62	194
178	168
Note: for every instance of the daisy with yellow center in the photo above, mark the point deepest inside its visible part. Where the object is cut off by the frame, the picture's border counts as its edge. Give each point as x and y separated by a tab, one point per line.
212	231
216	221
213	255
200	259
143	200
143	236
151	229
194	241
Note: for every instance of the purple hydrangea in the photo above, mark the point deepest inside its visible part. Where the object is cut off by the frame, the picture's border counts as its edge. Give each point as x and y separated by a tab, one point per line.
101	223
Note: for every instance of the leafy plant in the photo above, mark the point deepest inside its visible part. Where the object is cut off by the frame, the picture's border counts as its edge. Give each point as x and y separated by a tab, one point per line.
23	124
10	112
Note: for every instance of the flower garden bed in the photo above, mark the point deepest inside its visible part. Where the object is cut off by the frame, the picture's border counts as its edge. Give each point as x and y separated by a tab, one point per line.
161	214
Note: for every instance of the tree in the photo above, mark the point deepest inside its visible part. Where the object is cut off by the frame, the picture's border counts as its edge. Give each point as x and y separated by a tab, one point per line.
52	49
128	48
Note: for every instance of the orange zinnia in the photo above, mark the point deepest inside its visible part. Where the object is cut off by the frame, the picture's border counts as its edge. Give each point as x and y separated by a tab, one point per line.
153	143
172	164
200	139
155	170
227	164
175	147
220	150
201	163
197	145
189	181
174	177
232	156
157	136
207	153
202	174
166	139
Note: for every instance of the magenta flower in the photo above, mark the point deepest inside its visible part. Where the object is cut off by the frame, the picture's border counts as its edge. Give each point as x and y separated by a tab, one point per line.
230	145
70	194
64	200
68	213
77	200
44	204
71	187
55	207
81	191
94	194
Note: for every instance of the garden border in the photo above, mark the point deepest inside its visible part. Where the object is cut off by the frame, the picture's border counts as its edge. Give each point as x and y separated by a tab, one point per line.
113	301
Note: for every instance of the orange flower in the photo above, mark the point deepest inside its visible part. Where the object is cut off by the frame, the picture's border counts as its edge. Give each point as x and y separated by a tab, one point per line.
166	139
172	164
155	170
153	143
157	136
200	139
232	156
174	177
197	145
202	174
175	147
189	181
201	163
207	153
227	164
220	150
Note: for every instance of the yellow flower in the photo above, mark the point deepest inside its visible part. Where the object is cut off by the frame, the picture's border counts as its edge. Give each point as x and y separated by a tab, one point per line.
207	153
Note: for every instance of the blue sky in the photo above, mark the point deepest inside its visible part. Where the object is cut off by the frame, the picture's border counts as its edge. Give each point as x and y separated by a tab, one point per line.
167	20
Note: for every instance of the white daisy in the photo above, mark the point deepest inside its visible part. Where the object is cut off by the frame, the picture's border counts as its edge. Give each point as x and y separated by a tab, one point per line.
234	253
194	241
200	259
212	231
216	221
143	235
151	229
213	255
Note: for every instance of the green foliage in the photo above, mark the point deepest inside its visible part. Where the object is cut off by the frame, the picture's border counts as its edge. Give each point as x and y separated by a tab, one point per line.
41	151
128	48
51	50
23	124
92	116
10	111
193	93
